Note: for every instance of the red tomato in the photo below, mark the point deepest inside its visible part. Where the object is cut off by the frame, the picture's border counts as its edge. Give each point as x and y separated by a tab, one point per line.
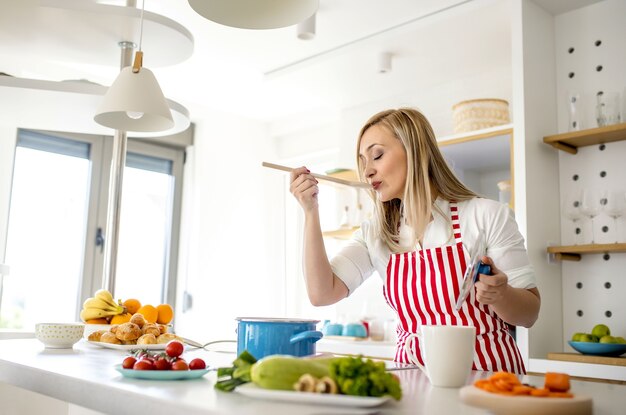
174	348
129	362
180	364
197	364
162	364
143	364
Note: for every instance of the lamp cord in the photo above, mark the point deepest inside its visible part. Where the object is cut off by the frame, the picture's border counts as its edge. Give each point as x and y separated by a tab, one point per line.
143	4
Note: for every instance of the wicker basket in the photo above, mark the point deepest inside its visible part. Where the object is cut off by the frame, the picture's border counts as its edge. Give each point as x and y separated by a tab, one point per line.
477	114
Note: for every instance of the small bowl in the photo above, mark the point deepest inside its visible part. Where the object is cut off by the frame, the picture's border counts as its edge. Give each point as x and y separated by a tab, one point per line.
354	330
59	335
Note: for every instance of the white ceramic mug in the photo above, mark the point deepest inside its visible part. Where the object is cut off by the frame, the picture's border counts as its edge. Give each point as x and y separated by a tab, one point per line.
448	353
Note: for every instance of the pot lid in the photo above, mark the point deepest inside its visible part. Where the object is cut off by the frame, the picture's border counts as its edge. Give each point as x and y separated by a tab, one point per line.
277	320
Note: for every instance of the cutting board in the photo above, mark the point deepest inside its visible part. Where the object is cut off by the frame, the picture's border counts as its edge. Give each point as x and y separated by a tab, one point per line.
524	405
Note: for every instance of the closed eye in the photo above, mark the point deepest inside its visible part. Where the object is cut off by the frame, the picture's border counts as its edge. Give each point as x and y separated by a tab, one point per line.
378	157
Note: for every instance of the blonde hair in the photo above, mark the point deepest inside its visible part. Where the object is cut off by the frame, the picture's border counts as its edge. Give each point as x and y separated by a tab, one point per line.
426	167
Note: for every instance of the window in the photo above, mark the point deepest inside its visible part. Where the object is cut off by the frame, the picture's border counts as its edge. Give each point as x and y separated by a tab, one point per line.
58	205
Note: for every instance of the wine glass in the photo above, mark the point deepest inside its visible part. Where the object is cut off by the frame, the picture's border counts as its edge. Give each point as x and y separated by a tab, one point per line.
614	205
590	206
571	211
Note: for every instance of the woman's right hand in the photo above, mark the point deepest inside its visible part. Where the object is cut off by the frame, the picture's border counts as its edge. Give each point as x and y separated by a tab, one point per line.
304	188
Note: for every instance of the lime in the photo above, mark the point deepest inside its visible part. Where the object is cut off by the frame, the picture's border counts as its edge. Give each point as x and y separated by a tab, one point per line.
576	337
607	339
601	330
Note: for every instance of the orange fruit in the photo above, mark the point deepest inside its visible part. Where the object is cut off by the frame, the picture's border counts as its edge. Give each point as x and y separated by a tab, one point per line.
165	313
132	305
149	312
97	321
121	318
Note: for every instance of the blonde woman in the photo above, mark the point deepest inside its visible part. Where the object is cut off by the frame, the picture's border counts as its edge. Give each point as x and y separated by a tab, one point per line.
424	227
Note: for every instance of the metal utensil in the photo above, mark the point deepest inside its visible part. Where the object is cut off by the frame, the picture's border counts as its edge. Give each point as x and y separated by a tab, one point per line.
474	268
198	345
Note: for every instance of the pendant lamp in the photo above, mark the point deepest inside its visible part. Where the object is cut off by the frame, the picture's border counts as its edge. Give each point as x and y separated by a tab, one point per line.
255	14
135	102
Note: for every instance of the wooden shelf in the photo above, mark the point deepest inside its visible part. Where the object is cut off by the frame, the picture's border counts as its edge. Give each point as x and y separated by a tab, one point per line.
573	252
344	233
569	142
583	358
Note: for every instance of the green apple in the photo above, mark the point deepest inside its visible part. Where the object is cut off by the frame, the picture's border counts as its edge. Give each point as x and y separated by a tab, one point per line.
601	330
576	337
607	339
588	338
620	340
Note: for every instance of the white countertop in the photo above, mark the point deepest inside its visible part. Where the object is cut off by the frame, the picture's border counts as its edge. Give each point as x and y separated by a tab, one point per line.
85	376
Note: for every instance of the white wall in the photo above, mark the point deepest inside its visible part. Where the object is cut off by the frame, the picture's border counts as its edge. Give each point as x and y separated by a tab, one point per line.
231	243
8	137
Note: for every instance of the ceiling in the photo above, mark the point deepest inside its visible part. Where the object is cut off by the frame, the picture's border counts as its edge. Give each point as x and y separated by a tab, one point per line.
271	75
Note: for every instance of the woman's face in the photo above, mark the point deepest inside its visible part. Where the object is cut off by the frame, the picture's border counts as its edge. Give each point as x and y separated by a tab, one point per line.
383	159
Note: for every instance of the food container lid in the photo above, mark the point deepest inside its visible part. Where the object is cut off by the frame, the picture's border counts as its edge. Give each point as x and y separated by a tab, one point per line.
276	320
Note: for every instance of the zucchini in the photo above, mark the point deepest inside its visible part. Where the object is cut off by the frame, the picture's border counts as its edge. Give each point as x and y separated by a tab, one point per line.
282	372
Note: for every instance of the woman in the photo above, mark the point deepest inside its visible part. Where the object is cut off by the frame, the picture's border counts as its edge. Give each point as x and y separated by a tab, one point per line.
425	225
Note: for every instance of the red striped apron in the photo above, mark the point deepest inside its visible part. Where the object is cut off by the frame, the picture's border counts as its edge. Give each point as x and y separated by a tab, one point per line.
422	287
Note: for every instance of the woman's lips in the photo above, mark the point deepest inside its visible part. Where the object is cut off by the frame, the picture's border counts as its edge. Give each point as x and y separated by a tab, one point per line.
376	185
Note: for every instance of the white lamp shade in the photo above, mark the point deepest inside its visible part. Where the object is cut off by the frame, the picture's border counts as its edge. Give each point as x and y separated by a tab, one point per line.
139	95
255	14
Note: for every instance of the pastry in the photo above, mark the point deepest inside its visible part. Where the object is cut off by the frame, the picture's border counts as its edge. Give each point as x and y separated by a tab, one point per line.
147	339
108	337
95	336
151	328
167	337
128	331
138	319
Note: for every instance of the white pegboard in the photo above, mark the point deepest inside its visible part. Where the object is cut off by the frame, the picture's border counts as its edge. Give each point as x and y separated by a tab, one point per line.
586	40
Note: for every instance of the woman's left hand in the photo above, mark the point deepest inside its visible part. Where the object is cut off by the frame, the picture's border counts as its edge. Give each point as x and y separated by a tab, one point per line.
491	288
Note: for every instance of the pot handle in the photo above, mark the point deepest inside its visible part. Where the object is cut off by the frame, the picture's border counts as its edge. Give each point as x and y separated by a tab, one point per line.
313	335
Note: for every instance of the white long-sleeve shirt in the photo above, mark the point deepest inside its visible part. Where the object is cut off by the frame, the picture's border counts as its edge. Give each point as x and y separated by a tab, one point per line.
366	252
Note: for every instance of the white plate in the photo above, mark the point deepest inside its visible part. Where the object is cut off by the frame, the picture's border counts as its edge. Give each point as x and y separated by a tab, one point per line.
129	346
523	405
253	391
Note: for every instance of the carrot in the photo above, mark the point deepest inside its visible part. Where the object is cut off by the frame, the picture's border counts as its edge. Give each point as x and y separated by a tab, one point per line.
540	392
522	390
557	382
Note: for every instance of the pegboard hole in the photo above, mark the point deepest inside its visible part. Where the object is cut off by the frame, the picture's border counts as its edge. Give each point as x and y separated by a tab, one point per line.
605	229
602	173
606	257
598	43
599	68
602	147
570	75
579	313
603	201
608	313
578	231
607	285
579	285
570	50
575	177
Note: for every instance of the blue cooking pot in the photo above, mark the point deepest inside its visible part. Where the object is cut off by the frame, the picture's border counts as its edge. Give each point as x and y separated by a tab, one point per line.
266	336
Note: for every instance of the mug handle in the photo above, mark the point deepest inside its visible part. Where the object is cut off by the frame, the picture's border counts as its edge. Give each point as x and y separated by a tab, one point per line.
409	351
311	335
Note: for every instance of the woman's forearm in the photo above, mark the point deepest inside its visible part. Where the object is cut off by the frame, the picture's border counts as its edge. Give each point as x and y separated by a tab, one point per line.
323	287
519	306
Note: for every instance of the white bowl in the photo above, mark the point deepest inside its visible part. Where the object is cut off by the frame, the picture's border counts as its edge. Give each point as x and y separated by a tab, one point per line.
59	335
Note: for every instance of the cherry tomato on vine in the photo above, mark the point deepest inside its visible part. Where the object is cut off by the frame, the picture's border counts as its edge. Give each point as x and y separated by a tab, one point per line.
174	348
197	364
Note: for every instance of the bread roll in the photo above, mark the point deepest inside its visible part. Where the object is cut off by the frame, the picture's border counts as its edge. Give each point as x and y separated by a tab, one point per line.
128	331
151	328
108	337
96	335
167	337
147	339
138	319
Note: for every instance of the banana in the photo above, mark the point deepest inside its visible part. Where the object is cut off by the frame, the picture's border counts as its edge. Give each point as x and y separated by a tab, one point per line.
95	302
105	295
92	313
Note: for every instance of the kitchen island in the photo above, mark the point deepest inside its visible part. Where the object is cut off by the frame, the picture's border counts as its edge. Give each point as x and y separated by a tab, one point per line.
85	376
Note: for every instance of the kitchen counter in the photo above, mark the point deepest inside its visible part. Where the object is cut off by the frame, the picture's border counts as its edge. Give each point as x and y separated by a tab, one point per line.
85	376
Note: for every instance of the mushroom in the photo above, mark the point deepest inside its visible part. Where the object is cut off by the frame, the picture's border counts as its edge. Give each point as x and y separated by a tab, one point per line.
326	385
306	383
